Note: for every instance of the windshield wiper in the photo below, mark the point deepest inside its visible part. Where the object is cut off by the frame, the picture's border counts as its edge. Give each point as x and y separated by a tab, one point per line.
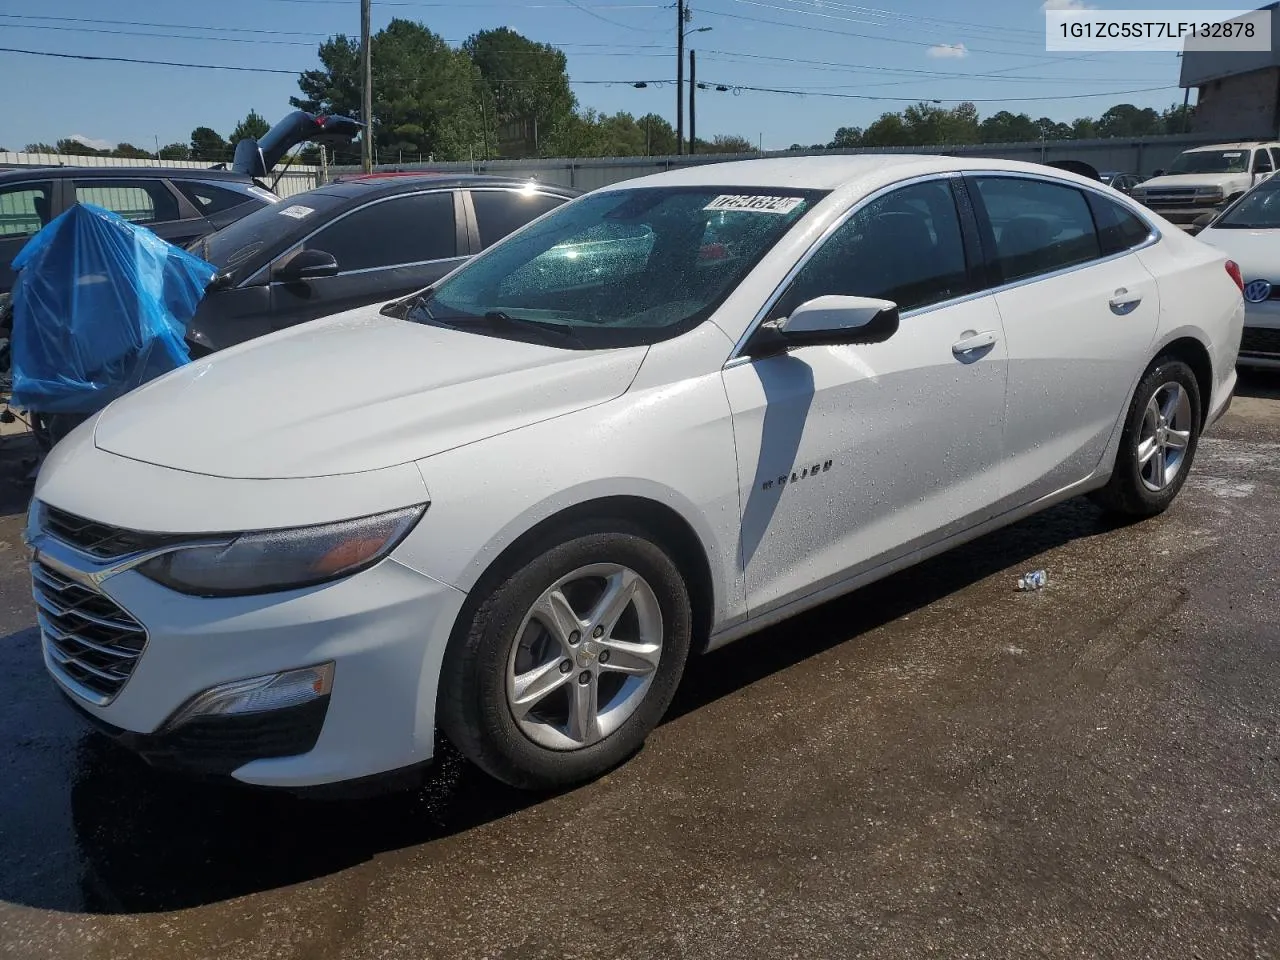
495	319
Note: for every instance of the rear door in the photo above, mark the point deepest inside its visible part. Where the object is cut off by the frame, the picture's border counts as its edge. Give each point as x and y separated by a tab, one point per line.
150	203
385	249
25	207
1079	311
499	211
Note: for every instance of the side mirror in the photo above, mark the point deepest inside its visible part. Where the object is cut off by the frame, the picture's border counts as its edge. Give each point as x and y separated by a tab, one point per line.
220	281
828	320
307	265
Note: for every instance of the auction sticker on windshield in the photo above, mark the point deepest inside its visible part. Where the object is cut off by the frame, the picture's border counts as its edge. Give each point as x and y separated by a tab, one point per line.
297	211
754	204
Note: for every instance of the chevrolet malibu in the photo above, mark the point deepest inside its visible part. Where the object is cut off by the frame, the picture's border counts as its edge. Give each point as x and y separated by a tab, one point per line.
656	419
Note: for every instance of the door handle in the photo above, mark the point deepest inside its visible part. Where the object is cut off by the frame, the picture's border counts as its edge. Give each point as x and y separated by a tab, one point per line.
1124	302
973	341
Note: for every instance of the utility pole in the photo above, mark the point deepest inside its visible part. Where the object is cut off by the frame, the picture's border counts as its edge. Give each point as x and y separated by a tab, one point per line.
366	107
693	101
679	76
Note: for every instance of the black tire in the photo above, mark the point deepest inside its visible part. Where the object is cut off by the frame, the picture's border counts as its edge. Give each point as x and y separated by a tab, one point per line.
473	707
1126	493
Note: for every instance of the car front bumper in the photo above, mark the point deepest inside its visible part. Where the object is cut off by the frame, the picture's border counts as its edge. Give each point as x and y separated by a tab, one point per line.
1260	344
384	631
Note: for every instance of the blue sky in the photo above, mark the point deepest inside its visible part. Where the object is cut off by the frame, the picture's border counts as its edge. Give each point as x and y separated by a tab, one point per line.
923	49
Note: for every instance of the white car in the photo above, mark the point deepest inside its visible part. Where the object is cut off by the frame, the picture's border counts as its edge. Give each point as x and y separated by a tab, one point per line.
657	419
1249	233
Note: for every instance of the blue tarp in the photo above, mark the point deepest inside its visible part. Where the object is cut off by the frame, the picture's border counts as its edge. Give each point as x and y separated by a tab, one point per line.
100	306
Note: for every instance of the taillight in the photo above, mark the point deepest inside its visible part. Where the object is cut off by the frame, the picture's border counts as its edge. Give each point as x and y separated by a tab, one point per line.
1233	271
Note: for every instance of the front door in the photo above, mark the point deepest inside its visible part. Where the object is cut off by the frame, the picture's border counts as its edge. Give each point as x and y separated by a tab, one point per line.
384	250
851	455
24	209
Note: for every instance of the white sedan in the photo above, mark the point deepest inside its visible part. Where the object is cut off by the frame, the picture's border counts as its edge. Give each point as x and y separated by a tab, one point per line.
1249	232
657	419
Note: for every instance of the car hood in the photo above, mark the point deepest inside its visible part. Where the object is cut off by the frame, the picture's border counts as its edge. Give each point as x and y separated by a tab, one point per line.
352	393
1192	180
1256	251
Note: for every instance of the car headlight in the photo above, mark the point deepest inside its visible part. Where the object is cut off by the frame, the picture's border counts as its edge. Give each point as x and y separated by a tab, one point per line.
1138	192
1209	193
272	560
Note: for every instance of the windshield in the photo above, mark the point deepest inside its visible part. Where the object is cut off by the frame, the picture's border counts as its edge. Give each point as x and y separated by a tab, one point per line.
1258	209
265	229
619	268
1212	161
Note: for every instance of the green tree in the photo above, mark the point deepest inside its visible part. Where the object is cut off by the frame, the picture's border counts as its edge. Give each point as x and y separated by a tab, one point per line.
525	87
1052	129
726	143
254	125
887	131
1084	128
39	148
577	135
845	138
1176	118
426	95
1126	120
175	151
207	144
659	135
74	148
1006	127
130	152
928	124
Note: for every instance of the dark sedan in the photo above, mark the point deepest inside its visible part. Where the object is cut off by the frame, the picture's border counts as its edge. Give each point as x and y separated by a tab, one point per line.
352	243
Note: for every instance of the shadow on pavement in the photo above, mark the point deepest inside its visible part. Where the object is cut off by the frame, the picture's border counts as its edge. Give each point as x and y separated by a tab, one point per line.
144	841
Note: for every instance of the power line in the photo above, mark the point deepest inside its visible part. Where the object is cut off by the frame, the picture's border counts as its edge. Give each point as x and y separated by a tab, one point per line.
158	36
617	23
172	26
897	15
800	92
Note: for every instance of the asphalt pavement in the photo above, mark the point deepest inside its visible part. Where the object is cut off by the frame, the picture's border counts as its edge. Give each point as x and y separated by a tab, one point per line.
937	765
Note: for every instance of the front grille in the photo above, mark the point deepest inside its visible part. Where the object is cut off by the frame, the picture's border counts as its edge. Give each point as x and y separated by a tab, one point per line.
1171	195
89	638
1260	340
100	540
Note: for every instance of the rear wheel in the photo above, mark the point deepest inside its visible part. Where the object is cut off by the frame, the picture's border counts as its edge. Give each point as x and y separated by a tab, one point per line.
1159	442
571	661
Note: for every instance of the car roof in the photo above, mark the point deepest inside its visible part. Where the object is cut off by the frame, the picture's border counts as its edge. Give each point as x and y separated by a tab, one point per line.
867	170
8	174
389	184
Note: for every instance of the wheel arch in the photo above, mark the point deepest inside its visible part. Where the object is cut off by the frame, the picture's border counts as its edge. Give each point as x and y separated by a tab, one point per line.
668	526
1192	351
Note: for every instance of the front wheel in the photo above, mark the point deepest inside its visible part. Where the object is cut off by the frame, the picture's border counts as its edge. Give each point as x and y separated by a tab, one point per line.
1158	444
571	661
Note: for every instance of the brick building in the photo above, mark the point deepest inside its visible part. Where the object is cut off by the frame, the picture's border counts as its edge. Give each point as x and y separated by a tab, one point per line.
1237	93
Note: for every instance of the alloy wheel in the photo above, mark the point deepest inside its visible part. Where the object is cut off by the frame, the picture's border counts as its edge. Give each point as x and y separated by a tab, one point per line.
585	656
1164	436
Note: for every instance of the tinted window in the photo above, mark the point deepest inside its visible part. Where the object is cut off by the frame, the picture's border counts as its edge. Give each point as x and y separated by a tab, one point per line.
1118	228
209	199
1262	162
407	229
620	266
267	231
1039	227
24	208
499	212
905	247
1259	209
142	201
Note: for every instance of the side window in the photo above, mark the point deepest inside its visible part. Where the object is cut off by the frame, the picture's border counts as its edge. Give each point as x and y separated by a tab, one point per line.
905	246
209	199
500	212
142	201
408	229
1118	229
1039	227
1262	161
24	208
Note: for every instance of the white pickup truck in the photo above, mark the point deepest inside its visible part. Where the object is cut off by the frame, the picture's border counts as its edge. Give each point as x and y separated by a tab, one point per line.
1205	178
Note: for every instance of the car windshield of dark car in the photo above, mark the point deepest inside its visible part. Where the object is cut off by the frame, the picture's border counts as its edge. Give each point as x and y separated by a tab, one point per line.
1212	161
621	267
265	230
1257	210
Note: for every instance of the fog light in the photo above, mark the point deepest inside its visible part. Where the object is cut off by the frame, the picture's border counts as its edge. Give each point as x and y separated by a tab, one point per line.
276	691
